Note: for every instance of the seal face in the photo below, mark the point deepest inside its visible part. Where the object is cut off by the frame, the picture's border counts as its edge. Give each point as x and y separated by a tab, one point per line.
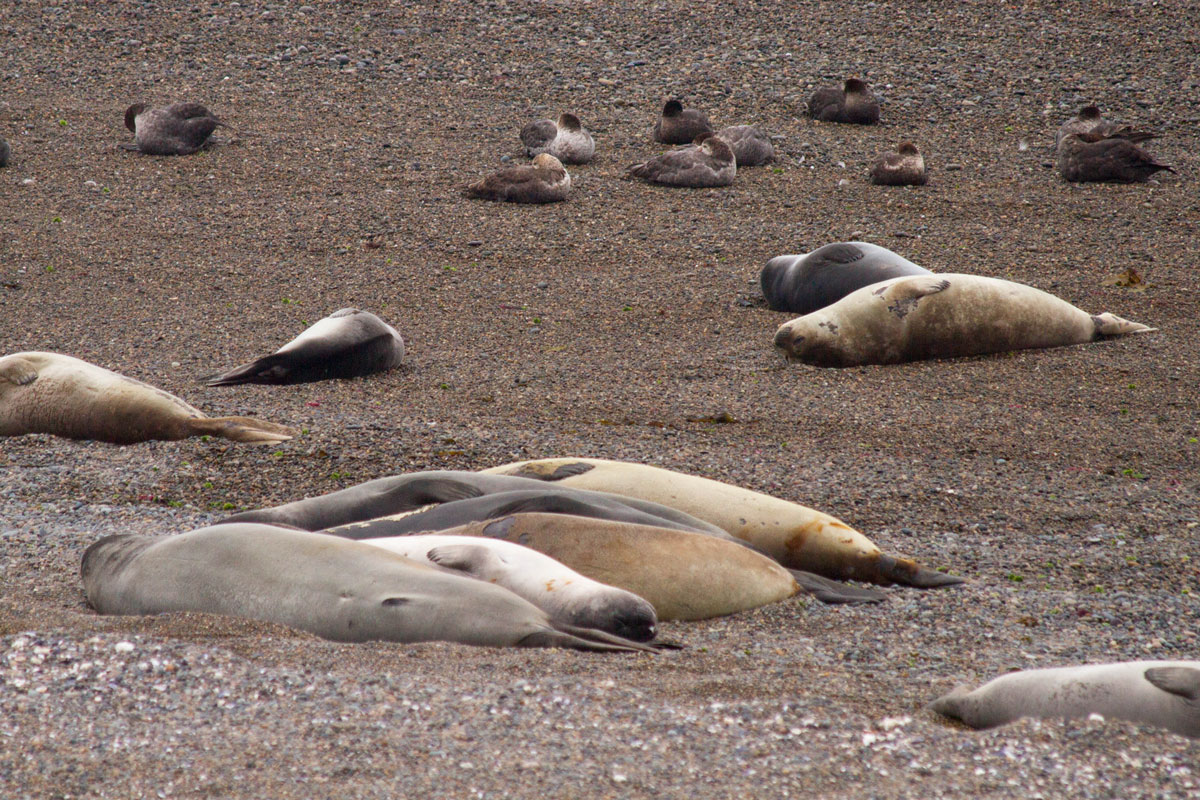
709	162
804	283
679	125
940	316
1093	157
175	130
58	394
751	147
1162	693
348	343
567	140
904	167
337	589
544	181
854	103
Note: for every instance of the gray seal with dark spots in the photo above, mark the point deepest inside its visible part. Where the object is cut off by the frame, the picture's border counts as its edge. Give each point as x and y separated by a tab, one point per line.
854	103
175	130
804	283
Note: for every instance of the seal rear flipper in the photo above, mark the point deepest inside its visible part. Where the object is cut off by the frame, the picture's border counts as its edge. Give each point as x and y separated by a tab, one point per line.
569	636
1112	325
241	429
835	592
889	570
950	705
1182	681
268	369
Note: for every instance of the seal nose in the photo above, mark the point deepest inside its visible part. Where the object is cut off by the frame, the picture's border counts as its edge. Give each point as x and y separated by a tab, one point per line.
784	340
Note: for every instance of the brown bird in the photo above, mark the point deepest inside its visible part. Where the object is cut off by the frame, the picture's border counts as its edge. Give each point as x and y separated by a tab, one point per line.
904	167
750	146
853	103
567	140
1093	157
175	130
543	181
679	125
708	162
1089	120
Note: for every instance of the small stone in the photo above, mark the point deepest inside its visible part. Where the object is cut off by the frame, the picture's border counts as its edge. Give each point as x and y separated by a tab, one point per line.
123	647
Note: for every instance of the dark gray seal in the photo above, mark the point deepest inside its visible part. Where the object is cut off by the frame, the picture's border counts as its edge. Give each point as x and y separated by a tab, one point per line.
567	140
346	344
804	283
1091	157
544	181
903	167
174	130
751	147
853	103
679	125
710	162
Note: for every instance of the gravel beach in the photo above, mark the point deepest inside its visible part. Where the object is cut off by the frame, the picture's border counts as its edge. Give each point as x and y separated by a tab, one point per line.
623	323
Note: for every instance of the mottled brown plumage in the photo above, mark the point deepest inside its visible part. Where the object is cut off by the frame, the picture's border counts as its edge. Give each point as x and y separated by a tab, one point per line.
544	181
853	103
709	162
751	147
174	130
1091	157
567	140
903	167
1089	120
679	125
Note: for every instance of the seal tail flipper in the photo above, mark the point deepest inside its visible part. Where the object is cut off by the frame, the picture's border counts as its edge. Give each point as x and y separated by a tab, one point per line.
950	705
835	592
267	369
569	636
1183	681
241	429
889	570
1112	325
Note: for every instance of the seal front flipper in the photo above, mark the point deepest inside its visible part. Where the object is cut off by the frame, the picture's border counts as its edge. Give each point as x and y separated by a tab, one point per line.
241	429
538	470
474	560
835	592
909	290
18	370
1183	681
430	491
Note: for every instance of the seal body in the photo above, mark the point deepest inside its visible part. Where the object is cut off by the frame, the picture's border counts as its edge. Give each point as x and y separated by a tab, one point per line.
58	394
709	163
904	167
679	125
560	591
751	147
346	344
567	139
804	283
1161	693
175	130
854	103
544	181
796	536
340	590
940	316
1092	157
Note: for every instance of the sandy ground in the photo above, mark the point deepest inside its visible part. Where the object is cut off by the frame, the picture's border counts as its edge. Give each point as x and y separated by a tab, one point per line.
1062	483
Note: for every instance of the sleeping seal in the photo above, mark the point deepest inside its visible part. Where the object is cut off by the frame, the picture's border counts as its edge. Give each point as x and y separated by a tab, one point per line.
174	130
853	103
679	125
710	162
751	147
555	588
1092	157
340	590
940	316
904	167
543	181
804	283
1089	120
1161	693
346	344
53	393
567	140
795	536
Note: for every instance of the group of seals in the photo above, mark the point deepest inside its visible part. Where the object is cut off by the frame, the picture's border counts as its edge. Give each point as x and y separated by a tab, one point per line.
175	130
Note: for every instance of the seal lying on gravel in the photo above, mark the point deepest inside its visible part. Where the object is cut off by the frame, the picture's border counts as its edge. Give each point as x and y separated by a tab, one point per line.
804	283
751	147
679	125
174	130
1092	157
795	536
53	393
340	590
560	591
1089	120
853	103
710	162
1161	693
940	316
544	181
567	140
346	344
904	167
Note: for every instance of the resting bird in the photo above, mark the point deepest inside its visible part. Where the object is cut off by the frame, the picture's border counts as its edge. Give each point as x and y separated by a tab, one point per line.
544	181
567	140
853	103
1087	157
709	162
678	125
903	167
174	130
1088	120
750	146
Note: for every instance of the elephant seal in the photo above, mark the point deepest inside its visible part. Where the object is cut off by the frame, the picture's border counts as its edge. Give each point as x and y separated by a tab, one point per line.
567	140
940	316
903	167
751	147
175	130
804	283
544	181
1089	120
853	103
555	588
53	393
1094	158
340	590
795	536
679	125
1161	693
346	344
710	162
389	496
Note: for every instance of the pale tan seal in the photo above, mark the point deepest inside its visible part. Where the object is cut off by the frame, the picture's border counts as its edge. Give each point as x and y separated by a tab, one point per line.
543	181
710	162
175	130
903	167
1094	158
854	103
797	537
338	589
567	139
1161	693
940	316
58	394
679	125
